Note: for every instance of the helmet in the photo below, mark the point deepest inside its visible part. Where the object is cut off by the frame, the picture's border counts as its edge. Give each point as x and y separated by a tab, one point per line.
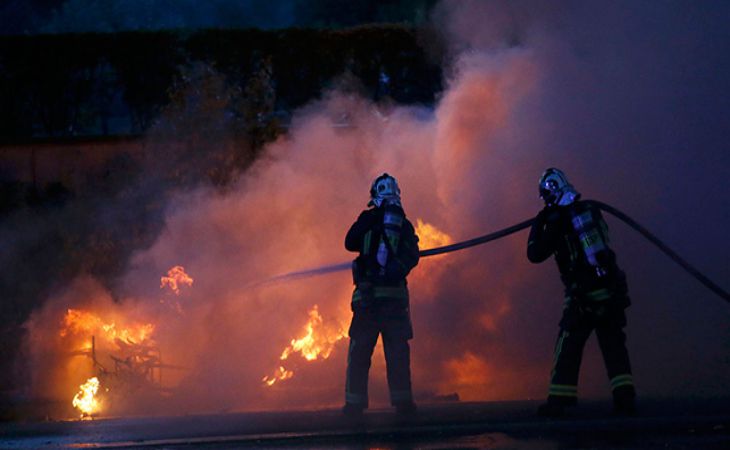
555	188
385	187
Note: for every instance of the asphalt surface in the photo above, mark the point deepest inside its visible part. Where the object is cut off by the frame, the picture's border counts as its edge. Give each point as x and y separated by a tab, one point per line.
659	424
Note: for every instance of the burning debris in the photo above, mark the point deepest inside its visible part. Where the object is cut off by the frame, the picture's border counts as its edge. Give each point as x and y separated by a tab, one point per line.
124	353
124	357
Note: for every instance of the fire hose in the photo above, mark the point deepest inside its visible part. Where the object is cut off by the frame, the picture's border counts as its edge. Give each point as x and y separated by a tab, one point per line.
521	226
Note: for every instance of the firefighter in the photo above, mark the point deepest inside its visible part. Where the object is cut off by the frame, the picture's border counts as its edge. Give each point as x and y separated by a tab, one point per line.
388	250
596	293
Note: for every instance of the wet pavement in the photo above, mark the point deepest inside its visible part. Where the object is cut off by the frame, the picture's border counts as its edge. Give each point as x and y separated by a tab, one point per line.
660	424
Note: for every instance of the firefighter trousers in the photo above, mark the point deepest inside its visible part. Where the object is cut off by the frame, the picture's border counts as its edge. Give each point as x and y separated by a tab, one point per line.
575	329
394	324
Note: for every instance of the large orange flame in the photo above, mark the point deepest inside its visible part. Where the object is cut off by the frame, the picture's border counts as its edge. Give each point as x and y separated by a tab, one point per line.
430	237
78	321
318	342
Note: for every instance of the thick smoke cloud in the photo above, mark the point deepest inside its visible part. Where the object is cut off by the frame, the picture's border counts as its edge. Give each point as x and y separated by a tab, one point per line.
630	103
627	98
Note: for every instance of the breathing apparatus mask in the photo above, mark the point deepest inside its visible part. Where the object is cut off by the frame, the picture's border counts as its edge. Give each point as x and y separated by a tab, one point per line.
384	190
385	193
555	190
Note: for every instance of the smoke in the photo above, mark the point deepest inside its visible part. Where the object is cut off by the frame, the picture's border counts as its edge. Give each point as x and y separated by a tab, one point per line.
627	98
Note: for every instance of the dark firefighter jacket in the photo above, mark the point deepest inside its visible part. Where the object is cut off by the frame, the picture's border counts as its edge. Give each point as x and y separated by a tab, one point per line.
578	237
373	284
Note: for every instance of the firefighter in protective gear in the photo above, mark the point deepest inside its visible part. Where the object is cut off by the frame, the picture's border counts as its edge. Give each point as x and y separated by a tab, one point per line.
596	293
388	249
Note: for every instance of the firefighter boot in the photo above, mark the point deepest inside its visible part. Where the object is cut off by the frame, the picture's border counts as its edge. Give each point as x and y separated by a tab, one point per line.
406	409
556	405
352	410
623	401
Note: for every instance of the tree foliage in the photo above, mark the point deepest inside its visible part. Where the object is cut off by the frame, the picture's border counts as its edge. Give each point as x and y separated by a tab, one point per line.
102	84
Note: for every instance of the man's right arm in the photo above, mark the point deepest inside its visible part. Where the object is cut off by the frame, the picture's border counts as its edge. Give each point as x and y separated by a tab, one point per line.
353	240
540	244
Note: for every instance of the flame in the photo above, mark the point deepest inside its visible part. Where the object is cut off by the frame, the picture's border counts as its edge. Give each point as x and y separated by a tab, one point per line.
175	278
280	374
318	342
78	321
431	237
85	400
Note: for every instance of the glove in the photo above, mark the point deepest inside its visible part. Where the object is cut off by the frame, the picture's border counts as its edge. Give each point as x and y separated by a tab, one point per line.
376	222
548	216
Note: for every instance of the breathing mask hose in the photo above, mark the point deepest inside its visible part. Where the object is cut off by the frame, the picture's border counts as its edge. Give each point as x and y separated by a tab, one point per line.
519	227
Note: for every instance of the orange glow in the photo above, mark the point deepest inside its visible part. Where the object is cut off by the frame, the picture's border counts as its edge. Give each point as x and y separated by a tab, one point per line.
85	322
488	321
85	400
469	372
317	343
175	278
491	320
431	237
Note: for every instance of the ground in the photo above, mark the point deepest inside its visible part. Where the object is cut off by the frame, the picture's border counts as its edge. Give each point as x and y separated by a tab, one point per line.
668	423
